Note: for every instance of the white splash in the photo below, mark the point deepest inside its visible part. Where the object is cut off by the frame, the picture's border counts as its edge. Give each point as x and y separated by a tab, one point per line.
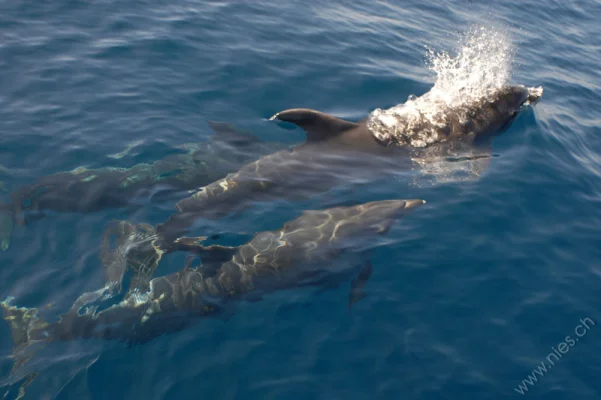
481	67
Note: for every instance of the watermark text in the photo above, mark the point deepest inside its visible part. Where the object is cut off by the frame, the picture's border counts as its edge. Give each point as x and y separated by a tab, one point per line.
561	349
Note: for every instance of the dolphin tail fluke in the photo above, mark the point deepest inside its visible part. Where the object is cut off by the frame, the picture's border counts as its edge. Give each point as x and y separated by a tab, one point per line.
23	322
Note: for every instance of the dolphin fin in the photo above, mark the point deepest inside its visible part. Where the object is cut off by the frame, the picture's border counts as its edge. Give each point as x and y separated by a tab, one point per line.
28	379
22	322
188	263
6	229
225	132
114	258
472	162
358	283
212	256
317	125
128	247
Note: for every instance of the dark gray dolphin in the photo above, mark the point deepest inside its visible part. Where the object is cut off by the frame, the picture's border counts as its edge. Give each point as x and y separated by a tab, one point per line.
319	248
471	122
337	150
89	190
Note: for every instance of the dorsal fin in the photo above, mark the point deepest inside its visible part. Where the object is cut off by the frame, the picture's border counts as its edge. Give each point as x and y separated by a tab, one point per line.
318	125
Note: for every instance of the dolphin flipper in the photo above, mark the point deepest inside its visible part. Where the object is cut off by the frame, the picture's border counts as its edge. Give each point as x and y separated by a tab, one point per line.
6	229
358	283
452	162
318	126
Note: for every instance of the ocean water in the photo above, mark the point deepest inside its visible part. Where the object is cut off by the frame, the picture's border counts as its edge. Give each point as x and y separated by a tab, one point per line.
494	276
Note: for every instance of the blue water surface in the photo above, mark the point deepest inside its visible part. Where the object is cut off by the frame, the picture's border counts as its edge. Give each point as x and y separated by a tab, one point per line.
473	293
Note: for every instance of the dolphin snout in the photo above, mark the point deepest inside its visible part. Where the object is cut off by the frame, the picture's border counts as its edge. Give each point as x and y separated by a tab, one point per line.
413	203
534	95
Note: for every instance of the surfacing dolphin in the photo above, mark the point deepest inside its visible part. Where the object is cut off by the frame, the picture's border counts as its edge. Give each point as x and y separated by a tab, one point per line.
337	150
90	190
319	248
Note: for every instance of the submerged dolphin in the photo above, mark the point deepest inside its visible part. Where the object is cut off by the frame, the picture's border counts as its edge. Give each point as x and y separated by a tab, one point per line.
319	248
336	150
136	248
89	190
